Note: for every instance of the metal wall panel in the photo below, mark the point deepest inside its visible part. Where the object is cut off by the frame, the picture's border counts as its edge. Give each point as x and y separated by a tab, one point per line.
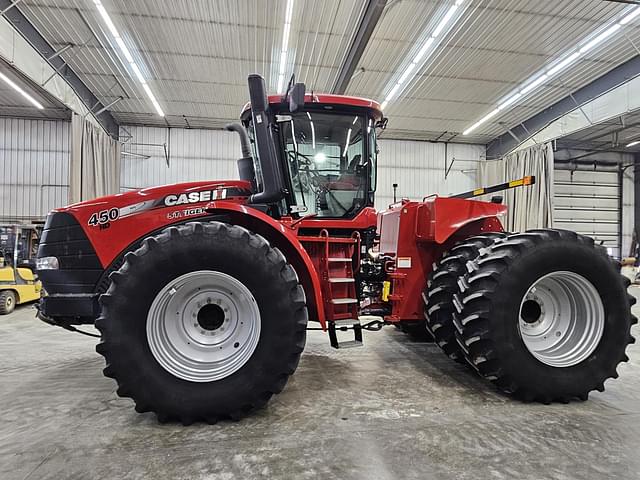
192	155
588	202
417	167
34	167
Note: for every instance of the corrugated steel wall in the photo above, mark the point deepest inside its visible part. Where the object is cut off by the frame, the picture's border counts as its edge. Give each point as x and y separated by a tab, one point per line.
193	155
417	167
34	167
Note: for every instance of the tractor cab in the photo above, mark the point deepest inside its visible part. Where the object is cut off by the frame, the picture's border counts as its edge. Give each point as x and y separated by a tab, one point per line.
319	150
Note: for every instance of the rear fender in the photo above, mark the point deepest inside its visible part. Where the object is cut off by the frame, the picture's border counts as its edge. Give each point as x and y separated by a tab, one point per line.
441	218
286	240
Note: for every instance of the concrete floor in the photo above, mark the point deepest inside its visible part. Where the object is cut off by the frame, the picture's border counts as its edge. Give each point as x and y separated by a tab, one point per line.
394	409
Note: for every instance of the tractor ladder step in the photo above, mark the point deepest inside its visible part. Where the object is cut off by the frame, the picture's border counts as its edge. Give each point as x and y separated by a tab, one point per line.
342	280
343	326
339	259
343	301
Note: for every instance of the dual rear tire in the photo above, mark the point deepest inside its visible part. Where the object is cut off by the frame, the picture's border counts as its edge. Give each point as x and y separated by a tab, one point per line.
544	315
443	284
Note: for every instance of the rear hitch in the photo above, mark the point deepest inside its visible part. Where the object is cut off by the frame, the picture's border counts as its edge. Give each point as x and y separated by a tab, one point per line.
65	325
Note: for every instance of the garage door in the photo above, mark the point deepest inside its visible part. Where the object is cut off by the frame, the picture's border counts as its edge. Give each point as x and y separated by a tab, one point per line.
588	202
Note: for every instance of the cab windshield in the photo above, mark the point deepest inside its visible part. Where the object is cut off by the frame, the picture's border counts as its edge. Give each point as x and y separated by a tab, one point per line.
330	172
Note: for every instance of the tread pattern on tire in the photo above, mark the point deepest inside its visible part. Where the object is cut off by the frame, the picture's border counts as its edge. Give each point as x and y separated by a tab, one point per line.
261	246
442	284
4	295
474	305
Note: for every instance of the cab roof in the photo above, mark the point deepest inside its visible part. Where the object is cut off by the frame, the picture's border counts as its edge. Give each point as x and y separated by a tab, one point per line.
328	99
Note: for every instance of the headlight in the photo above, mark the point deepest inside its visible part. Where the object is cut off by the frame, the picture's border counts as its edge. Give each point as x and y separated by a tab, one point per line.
47	263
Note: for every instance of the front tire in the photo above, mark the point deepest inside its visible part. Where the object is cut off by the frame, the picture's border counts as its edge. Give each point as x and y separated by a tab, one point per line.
545	316
202	322
7	302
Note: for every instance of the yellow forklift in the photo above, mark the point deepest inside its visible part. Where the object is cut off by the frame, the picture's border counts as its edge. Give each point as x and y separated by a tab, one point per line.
18	283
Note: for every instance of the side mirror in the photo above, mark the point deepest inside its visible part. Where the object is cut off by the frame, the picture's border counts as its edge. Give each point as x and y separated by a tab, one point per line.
296	97
382	124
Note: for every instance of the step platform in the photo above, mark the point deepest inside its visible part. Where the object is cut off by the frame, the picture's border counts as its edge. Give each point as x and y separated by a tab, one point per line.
344	326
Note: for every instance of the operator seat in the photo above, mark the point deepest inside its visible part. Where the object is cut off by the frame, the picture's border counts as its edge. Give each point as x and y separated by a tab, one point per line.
351	168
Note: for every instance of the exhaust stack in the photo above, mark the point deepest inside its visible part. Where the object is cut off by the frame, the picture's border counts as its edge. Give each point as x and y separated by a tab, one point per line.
246	170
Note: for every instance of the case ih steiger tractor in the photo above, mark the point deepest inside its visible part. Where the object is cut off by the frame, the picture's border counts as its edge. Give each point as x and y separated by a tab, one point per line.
202	291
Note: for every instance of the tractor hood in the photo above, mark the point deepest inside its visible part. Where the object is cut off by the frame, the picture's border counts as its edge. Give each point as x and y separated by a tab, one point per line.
111	223
170	195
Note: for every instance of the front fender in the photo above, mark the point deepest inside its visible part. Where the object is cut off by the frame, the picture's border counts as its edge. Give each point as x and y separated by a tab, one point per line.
286	240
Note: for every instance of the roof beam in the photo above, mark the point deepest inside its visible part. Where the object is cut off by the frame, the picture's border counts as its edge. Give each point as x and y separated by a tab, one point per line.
21	24
527	129
372	13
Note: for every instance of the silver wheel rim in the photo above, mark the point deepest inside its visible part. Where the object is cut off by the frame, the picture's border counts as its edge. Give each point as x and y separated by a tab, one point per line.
203	326
561	319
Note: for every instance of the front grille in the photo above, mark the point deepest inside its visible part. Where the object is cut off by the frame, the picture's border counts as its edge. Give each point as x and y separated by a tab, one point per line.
80	268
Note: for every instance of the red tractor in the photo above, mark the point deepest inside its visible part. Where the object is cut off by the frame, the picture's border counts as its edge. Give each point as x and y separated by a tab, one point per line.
202	291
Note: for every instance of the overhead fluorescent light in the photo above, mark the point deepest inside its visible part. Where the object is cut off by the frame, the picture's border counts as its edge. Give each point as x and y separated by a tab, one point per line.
633	144
630	16
538	81
563	63
133	66
410	71
425	47
125	50
567	59
138	73
513	98
491	114
285	45
406	73
17	88
600	38
106	18
445	20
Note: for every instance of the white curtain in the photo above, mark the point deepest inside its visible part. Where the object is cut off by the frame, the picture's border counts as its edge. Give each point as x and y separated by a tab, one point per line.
530	206
95	161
